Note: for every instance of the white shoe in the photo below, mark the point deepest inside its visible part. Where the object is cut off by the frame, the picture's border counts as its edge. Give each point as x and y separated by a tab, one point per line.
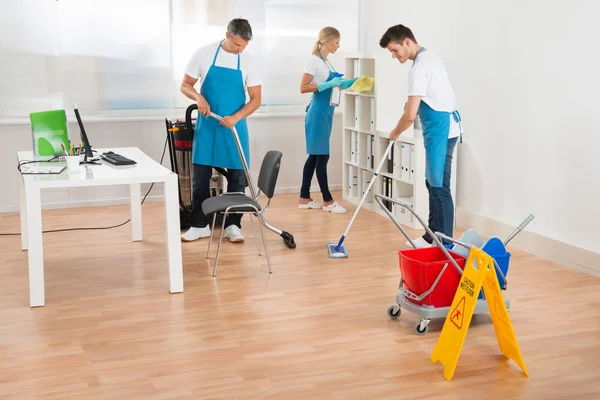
311	205
234	234
195	233
334	208
420	243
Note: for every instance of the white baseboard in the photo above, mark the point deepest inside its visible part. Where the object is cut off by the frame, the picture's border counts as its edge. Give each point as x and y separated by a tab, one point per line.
541	246
313	190
125	200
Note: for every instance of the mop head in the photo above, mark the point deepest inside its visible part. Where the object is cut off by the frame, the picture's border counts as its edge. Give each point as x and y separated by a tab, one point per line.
335	252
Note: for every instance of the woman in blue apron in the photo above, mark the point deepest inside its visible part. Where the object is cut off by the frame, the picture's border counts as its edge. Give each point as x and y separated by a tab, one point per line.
320	78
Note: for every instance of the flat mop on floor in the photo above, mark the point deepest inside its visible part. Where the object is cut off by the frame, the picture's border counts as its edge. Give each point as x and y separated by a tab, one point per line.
338	250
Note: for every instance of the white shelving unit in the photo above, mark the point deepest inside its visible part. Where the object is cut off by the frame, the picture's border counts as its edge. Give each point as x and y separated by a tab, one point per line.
364	143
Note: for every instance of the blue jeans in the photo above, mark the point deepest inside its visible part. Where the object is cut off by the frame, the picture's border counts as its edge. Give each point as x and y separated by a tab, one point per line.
236	182
441	207
316	162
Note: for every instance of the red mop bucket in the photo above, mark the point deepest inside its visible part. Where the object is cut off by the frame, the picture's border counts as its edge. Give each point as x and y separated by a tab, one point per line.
421	267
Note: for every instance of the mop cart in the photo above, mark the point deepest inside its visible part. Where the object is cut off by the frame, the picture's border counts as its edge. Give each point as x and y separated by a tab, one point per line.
287	237
431	275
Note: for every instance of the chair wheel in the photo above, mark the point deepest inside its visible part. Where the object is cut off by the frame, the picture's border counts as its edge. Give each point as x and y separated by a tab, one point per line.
418	329
393	314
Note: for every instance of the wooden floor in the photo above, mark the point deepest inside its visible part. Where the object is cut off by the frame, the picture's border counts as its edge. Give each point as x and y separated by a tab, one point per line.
315	329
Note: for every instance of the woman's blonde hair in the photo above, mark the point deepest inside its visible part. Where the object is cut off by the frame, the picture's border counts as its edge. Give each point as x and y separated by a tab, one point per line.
327	34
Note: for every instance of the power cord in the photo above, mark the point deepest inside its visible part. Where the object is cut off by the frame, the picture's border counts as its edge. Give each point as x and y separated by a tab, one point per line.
21	163
162	157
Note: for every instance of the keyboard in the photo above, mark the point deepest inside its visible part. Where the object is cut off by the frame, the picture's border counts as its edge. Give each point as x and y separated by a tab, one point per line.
116	159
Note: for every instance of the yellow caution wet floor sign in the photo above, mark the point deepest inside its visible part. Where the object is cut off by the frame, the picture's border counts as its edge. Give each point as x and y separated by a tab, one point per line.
479	271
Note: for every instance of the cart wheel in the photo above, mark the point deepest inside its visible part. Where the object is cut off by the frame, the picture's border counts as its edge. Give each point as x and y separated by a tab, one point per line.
392	314
418	329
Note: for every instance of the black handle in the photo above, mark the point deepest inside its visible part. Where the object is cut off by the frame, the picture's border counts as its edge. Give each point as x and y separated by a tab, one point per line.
188	119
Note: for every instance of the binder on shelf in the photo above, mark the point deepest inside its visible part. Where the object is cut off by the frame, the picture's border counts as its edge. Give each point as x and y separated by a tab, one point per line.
354	182
349	187
384	189
394	158
387	191
373	115
353	148
391	183
367	176
356	146
411	163
356	113
372	152
405	162
369	151
390	160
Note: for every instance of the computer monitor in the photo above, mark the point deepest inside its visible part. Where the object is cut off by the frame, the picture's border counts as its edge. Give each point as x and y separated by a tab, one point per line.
89	155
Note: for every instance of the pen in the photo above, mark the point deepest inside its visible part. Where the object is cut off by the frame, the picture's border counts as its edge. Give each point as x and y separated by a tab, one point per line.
63	147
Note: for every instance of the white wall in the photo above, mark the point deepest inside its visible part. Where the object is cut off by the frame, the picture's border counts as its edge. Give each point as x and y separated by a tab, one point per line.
283	133
526	76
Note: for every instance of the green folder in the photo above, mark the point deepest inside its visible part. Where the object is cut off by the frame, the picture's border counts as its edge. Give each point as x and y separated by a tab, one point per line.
49	131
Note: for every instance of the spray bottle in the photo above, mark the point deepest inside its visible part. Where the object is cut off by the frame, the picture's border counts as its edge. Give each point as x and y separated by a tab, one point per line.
336	92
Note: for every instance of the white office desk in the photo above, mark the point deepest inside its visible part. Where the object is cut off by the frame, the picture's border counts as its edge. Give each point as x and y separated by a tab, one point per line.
145	171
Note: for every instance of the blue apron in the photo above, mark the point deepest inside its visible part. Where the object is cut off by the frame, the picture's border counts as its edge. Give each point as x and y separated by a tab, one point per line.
436	128
319	119
214	144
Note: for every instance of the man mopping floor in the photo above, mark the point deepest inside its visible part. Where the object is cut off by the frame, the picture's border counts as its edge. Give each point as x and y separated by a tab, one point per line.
430	95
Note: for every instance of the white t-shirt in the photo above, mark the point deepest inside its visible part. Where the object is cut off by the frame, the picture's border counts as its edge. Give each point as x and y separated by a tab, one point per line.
318	69
428	78
203	58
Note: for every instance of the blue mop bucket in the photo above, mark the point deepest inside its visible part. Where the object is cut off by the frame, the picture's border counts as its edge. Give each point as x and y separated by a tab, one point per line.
495	249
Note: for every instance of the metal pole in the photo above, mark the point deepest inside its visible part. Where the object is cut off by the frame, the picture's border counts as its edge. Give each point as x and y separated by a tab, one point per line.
379	198
287	237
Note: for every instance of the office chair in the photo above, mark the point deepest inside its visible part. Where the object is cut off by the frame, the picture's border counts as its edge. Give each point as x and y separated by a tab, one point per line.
239	203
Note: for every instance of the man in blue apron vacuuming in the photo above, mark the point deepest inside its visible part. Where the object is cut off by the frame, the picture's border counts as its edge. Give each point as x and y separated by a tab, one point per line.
430	95
225	75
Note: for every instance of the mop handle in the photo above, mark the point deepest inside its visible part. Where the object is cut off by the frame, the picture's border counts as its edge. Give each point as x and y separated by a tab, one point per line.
519	228
375	174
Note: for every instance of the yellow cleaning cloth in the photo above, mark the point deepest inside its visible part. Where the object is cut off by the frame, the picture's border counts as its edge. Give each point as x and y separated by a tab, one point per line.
363	84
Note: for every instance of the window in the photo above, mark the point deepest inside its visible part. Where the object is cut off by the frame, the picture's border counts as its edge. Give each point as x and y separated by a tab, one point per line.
116	56
285	32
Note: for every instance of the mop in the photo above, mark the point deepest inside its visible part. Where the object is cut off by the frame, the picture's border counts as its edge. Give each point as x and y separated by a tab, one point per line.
338	250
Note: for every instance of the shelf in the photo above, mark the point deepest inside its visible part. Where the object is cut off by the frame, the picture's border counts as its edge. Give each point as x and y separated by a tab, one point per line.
355	129
359	94
364	147
371	170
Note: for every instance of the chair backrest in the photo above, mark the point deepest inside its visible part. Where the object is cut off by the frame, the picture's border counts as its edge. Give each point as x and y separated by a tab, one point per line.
269	171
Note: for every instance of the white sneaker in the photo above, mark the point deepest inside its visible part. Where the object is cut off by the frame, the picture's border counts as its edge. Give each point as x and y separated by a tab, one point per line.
334	208
195	233
234	234
420	243
313	204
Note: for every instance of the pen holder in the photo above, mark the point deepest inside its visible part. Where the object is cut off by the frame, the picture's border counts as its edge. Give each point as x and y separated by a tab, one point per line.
73	163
